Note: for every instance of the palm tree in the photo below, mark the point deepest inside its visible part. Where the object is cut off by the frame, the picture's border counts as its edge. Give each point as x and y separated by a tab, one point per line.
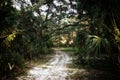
104	26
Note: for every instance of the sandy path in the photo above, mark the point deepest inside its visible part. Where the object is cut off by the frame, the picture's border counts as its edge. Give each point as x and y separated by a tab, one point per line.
55	69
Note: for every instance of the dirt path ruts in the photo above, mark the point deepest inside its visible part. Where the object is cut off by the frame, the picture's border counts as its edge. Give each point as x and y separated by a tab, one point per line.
55	69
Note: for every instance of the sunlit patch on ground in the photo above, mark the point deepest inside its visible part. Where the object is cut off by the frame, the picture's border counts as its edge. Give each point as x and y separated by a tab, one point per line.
55	69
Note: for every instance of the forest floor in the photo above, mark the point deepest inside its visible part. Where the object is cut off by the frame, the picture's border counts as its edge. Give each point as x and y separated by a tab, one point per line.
61	67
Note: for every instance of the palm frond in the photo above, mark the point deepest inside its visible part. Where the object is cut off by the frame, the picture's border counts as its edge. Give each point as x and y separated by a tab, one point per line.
95	44
9	36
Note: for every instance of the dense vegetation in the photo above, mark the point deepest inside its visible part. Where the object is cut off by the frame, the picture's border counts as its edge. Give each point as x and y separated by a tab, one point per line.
21	37
27	31
102	40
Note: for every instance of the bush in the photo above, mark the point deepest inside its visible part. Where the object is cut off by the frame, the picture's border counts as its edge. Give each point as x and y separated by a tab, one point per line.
11	64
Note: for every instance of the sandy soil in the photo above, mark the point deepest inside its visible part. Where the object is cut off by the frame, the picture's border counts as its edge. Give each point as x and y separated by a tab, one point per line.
55	69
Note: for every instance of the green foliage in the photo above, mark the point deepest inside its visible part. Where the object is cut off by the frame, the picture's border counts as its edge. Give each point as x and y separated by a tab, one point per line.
103	39
97	45
26	36
91	48
21	37
10	62
9	37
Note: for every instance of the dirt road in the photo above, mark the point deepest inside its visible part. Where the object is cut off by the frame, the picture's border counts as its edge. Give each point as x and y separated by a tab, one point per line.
55	69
